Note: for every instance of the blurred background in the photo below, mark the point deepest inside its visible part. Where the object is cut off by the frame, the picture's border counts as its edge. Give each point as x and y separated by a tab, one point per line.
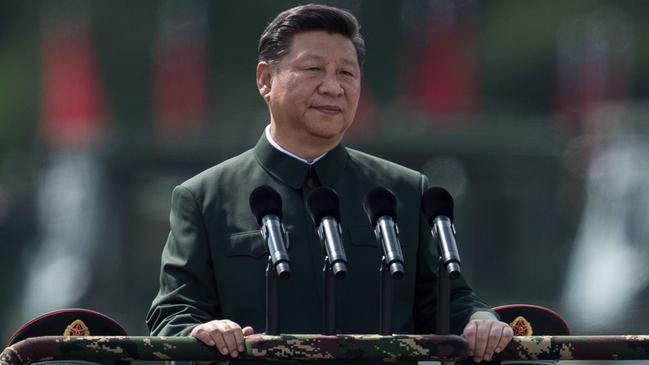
532	114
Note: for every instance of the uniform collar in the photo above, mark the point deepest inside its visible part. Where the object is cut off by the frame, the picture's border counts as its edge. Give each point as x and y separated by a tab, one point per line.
293	172
270	139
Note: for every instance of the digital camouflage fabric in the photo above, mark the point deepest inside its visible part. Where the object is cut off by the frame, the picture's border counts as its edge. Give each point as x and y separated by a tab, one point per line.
577	348
258	347
360	348
357	347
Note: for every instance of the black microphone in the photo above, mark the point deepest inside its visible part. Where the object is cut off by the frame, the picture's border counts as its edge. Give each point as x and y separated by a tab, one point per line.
266	205
437	205
324	207
381	207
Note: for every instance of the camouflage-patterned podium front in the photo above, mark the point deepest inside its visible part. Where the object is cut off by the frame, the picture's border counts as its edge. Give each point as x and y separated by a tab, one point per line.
354	348
84	336
349	348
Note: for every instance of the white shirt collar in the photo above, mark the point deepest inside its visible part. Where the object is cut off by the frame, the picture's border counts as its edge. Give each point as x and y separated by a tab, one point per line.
286	152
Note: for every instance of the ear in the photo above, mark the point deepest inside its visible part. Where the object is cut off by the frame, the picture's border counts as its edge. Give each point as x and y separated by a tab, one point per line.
264	79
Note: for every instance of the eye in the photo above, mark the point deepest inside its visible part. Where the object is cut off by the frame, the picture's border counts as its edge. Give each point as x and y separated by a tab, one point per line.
347	73
313	68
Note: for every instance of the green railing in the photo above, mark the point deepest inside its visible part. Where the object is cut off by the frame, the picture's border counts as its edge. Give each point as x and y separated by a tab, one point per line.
341	348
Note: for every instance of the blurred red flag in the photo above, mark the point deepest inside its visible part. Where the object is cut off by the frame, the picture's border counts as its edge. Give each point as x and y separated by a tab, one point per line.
73	104
180	69
446	82
439	65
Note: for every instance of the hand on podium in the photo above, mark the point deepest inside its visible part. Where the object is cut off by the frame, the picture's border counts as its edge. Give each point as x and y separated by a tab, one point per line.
225	335
486	335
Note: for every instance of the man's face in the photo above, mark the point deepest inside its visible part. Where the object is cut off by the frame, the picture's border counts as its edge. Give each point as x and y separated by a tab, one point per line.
314	89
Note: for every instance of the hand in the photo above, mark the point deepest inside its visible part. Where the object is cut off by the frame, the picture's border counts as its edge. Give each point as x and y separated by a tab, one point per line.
486	337
226	335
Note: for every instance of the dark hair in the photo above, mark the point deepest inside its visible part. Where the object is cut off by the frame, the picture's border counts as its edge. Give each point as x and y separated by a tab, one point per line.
276	39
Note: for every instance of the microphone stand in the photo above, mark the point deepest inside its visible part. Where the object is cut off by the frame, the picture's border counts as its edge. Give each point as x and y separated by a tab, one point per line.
443	299
329	300
385	292
272	299
446	270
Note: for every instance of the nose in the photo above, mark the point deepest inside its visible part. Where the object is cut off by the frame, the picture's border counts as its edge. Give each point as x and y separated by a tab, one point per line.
330	86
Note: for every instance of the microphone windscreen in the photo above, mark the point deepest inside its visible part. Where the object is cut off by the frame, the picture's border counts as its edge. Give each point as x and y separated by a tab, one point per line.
435	202
380	202
265	200
323	202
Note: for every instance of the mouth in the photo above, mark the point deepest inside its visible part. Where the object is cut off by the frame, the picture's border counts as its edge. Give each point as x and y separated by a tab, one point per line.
327	109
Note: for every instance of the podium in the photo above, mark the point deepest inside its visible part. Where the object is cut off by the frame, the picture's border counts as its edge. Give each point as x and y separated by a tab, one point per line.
309	348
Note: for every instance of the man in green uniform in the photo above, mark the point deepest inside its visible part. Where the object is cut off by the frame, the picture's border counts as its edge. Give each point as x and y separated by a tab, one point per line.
212	274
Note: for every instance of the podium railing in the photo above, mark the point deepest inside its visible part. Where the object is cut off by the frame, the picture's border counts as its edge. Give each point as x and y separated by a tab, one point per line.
341	348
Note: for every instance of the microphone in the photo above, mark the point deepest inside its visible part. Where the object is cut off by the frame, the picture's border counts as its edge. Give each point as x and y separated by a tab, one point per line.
266	205
381	207
437	205
324	207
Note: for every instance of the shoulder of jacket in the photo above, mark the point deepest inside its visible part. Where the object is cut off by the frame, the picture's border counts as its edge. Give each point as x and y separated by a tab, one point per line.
365	160
213	175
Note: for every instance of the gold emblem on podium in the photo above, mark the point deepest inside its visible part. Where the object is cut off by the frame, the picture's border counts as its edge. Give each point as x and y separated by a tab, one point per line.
521	327
77	328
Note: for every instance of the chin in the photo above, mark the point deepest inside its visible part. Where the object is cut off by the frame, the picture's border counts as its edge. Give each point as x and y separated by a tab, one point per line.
329	132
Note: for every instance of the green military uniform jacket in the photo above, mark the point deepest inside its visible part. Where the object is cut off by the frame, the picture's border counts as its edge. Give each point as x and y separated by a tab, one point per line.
214	260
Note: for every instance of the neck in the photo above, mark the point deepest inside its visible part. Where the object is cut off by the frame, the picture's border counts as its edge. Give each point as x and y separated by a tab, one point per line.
307	148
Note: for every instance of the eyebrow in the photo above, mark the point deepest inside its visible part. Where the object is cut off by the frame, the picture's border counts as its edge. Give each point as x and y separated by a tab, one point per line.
311	56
